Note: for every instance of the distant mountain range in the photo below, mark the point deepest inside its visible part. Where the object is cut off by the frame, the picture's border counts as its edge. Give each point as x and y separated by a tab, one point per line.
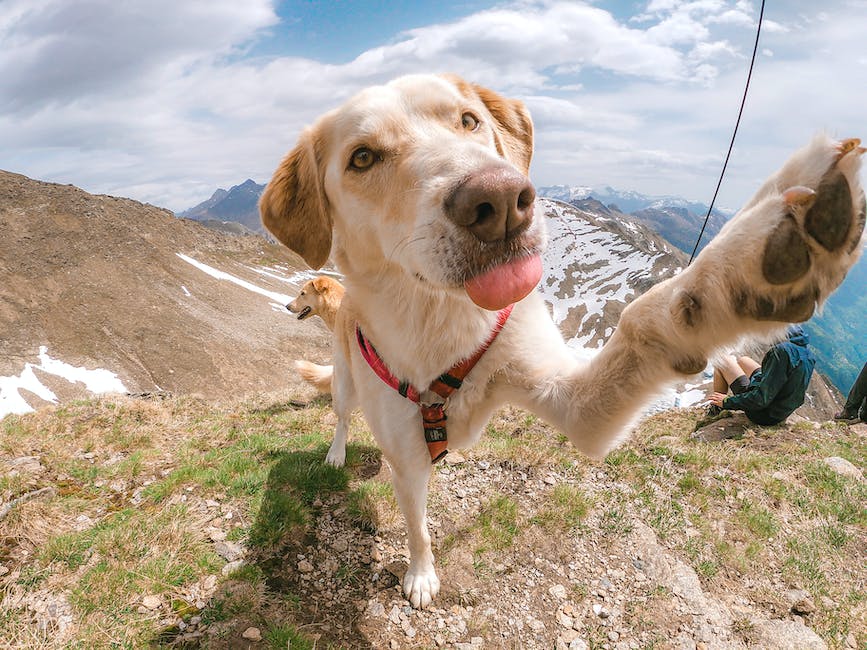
238	205
676	219
839	333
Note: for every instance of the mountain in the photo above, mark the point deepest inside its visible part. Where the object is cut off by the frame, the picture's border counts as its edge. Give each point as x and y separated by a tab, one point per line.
596	263
839	333
676	219
238	204
104	293
98	289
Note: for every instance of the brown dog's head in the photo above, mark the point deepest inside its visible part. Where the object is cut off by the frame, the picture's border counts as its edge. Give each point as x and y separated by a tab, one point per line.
313	297
426	177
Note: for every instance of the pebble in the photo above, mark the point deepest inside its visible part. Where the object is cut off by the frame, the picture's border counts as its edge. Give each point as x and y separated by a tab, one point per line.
305	567
230	551
340	545
558	591
152	601
844	468
231	567
252	634
536	625
804	605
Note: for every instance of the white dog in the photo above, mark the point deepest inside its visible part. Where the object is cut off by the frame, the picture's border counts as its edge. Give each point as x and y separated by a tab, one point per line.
419	190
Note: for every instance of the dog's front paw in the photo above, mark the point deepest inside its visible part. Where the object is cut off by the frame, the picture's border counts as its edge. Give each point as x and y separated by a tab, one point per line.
794	243
421	585
336	456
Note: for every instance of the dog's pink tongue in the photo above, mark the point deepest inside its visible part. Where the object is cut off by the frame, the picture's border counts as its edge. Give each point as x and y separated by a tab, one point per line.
505	284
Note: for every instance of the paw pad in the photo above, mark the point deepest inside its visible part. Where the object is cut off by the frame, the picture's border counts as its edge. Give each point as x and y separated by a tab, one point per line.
787	256
830	217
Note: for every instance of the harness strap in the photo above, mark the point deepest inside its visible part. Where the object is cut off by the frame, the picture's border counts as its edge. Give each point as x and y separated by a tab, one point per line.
433	415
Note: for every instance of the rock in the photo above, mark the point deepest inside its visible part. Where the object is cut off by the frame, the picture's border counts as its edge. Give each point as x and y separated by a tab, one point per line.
568	636
454	457
252	634
230	551
800	602
231	567
578	644
340	545
564	620
724	429
844	468
305	567
536	625
786	635
558	591
851	641
376	609
152	601
216	534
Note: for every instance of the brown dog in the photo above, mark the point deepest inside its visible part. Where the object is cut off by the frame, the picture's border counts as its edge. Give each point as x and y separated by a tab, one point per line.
321	297
419	190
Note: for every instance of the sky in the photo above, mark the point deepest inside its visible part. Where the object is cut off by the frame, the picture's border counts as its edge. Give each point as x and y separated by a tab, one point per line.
164	101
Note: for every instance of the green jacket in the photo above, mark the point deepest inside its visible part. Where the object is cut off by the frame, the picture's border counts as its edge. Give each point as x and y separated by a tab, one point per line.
778	388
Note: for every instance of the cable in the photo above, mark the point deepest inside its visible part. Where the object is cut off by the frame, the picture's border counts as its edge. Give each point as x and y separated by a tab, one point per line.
734	133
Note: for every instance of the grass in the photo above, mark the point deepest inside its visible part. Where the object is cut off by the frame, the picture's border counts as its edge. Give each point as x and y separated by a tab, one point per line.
566	508
142	474
141	486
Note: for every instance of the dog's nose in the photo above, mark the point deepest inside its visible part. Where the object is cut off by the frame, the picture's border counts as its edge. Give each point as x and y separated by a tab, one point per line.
494	203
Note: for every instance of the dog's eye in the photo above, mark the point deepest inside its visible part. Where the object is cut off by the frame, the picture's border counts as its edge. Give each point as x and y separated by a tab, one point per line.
362	158
469	121
301	294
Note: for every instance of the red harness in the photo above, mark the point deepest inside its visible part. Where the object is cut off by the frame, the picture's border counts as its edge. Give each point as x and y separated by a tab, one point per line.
433	416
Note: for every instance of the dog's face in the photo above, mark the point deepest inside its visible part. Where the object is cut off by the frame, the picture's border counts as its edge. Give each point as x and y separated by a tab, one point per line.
312	298
427	176
307	302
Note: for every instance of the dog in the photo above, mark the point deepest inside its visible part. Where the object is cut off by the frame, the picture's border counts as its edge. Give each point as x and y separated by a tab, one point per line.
419	190
321	297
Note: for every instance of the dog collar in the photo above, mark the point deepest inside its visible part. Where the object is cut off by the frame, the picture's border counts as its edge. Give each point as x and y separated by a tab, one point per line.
433	414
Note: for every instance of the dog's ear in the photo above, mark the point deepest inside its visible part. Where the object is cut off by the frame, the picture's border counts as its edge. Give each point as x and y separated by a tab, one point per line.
514	128
294	207
321	285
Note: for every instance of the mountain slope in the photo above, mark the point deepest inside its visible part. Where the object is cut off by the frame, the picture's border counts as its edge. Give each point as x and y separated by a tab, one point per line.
99	282
595	264
839	333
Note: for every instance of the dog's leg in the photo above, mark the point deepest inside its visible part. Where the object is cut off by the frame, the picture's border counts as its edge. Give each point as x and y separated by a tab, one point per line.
343	400
420	584
770	266
396	424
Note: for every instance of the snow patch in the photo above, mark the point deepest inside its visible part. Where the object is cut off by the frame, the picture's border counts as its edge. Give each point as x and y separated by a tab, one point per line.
222	275
97	381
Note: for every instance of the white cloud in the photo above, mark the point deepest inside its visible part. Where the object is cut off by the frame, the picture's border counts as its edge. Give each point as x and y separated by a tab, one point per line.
159	101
